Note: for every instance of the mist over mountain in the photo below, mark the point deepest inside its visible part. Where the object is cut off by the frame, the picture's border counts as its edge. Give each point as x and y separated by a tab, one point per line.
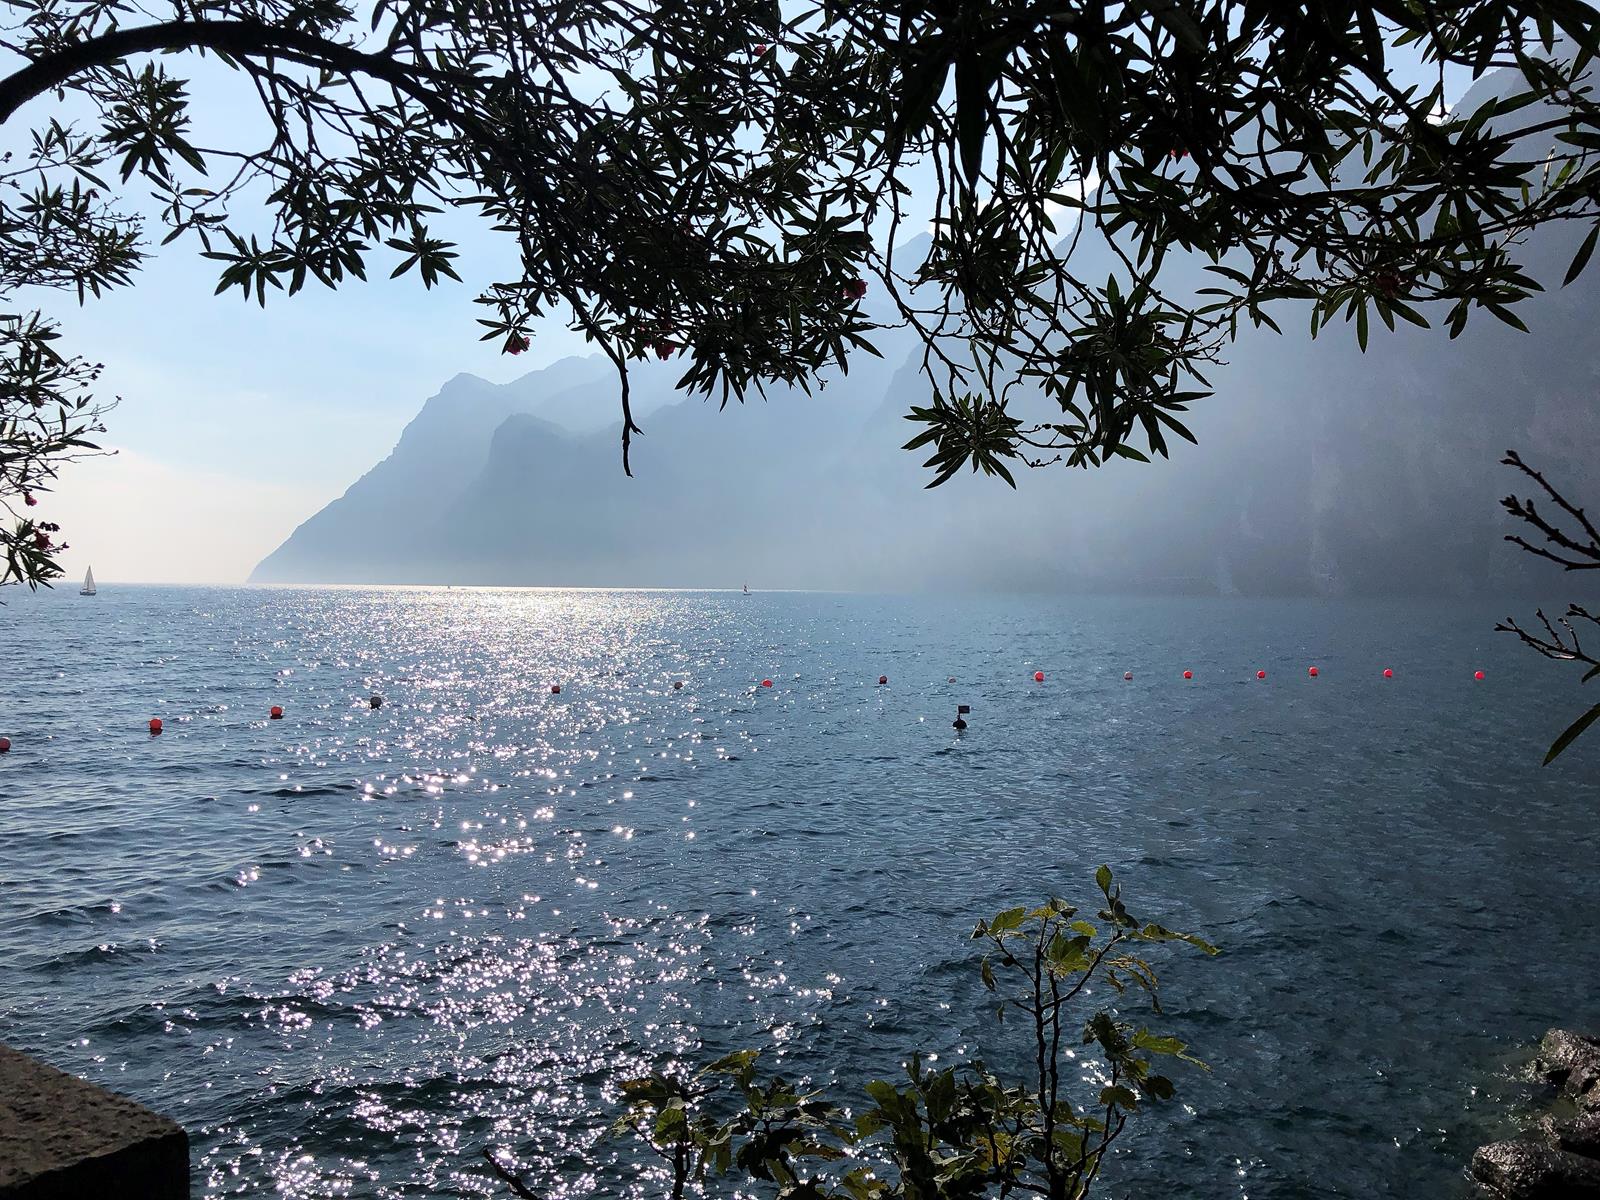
1320	470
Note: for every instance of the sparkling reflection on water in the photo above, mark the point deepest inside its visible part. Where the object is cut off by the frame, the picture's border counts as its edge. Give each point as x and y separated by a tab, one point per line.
351	948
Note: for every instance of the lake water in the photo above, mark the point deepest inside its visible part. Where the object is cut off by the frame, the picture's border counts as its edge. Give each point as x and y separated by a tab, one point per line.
350	949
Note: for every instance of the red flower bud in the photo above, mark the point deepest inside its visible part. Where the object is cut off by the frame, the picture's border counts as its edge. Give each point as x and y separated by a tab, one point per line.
41	540
516	344
665	350
761	48
29	499
856	289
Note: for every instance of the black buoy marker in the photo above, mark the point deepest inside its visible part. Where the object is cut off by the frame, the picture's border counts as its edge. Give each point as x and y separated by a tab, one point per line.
961	711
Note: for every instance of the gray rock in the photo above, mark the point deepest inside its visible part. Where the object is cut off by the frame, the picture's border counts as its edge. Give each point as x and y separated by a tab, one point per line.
1581	1135
1562	1051
1571	1060
63	1138
1526	1170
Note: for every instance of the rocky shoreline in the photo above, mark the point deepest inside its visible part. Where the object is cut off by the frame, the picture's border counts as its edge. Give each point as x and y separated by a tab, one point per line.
1558	1158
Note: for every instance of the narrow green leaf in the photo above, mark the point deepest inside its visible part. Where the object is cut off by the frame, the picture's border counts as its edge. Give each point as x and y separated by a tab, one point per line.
1571	734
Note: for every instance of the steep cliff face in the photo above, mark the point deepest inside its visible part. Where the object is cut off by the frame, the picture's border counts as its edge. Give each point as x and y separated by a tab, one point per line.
381	525
1320	470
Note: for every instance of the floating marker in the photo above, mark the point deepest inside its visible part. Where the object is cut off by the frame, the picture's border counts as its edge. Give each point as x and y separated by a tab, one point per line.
1311	671
277	712
961	710
882	679
155	726
376	702
555	689
1188	674
766	683
1388	673
1261	674
1038	676
5	745
677	685
1127	675
952	679
1477	674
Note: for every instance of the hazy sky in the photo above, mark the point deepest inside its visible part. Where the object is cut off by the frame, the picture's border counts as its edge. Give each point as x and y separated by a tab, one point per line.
237	423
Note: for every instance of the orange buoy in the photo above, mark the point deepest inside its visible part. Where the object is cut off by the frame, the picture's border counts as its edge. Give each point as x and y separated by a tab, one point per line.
1038	676
277	712
555	689
1188	674
5	745
1311	671
155	726
1127	675
1261	674
1477	674
882	679
1388	673
766	683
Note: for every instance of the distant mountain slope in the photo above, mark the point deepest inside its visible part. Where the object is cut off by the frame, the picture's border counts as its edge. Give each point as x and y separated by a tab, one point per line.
1320	470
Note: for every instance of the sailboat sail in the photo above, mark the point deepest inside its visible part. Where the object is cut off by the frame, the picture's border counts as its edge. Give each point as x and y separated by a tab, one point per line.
88	583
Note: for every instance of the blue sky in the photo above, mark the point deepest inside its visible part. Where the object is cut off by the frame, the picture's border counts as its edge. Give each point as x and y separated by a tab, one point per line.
237	422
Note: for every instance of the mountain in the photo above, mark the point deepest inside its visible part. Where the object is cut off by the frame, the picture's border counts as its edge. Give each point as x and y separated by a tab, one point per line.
390	511
1320	470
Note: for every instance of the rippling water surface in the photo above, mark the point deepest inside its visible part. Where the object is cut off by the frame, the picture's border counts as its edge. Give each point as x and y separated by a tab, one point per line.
350	949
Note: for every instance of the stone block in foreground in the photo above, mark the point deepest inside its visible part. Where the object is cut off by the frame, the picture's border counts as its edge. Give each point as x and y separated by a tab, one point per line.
1526	1170
63	1138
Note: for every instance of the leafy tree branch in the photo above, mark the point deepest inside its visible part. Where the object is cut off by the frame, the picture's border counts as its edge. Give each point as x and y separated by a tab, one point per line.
702	183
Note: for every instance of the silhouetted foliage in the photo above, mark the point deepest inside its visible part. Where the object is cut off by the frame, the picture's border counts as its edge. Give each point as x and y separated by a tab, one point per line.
1571	540
961	1131
717	182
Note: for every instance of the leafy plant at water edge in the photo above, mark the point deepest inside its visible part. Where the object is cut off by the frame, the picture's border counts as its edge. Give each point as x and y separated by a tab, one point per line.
945	1133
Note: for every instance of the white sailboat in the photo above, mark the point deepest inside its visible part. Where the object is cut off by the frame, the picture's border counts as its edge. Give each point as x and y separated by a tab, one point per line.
88	583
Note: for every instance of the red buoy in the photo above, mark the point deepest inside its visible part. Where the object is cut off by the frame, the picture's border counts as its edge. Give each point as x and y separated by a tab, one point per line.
1038	676
1127	675
5	745
882	679
1477	674
1188	674
1388	673
155	726
1261	674
1311	671
766	683
555	689
277	712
